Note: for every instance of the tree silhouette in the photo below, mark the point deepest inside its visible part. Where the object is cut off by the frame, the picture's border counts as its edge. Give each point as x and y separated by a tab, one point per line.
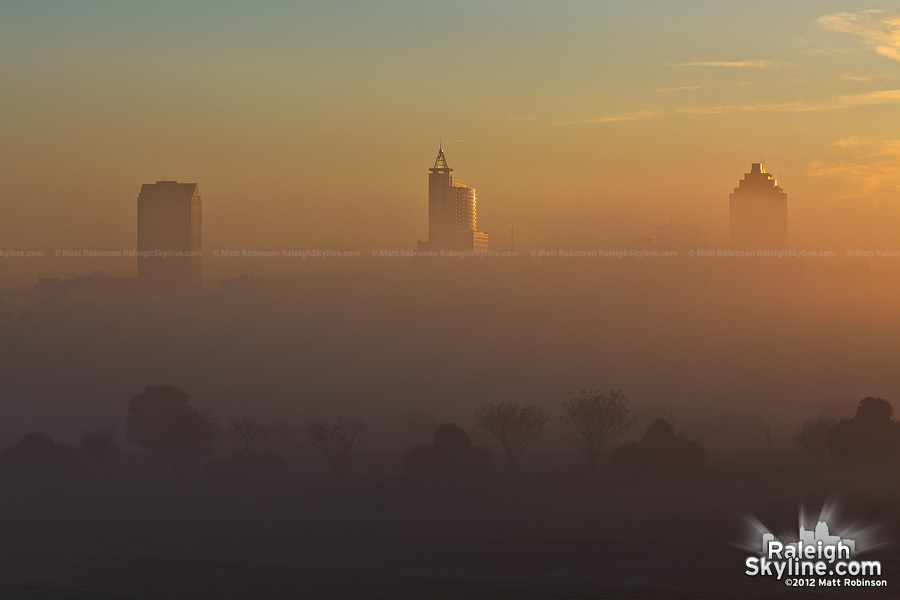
592	419
37	458
451	456
870	437
811	438
873	409
451	436
100	446
161	421
336	441
660	450
248	433
515	426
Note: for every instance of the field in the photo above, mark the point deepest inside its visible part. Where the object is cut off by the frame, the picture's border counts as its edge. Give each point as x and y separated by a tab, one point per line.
523	536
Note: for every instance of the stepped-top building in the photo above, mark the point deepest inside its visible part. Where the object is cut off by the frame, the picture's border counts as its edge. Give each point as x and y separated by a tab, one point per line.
758	212
452	215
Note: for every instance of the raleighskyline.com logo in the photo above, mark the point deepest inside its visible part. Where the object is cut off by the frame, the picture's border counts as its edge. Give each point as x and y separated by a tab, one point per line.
816	559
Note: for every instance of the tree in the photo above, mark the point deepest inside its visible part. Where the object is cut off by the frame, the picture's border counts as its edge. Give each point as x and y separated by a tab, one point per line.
515	426
592	419
874	410
161	421
38	459
871	437
660	450
451	456
100	446
811	438
248	433
336	440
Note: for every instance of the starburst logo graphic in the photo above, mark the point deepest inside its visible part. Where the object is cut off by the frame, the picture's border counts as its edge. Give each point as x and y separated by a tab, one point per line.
815	556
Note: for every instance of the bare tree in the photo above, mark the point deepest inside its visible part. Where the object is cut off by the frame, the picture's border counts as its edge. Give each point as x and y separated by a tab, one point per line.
248	432
515	426
592	419
100	446
811	438
336	440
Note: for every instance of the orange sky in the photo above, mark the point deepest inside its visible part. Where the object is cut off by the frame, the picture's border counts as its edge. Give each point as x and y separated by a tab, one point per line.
309	125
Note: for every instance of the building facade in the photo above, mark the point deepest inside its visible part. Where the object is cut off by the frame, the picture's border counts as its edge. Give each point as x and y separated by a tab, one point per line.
169	235
758	212
452	212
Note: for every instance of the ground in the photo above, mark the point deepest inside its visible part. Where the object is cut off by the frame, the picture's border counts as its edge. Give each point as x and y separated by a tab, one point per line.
525	536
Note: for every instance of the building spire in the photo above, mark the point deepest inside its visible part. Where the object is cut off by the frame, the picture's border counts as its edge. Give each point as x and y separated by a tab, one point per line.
441	162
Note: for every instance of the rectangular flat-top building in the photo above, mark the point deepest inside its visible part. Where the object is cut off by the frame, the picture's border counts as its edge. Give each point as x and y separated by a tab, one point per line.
169	235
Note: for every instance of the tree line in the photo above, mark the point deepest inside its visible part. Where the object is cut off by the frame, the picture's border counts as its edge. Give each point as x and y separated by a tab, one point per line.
161	421
871	437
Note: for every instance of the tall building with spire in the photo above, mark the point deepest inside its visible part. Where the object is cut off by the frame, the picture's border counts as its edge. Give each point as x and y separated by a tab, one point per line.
758	212
452	215
168	235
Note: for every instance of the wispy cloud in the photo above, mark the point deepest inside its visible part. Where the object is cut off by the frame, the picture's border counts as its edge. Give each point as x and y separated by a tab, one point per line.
741	64
456	141
873	98
519	118
841	102
879	30
880	176
827	51
849	142
641	115
685	88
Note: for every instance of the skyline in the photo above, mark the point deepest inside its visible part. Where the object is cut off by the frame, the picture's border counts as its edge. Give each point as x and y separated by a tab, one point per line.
678	239
476	299
636	117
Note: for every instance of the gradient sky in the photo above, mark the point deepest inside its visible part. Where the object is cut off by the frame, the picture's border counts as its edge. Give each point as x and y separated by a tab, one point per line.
313	124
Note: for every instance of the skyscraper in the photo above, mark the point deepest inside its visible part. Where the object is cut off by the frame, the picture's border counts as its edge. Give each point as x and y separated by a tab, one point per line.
758	212
168	236
452	218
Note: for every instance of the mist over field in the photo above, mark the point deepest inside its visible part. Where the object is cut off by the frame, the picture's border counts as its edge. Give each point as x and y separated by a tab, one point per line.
693	339
461	300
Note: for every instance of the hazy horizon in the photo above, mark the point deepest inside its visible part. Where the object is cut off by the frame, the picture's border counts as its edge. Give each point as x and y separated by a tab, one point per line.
257	341
582	125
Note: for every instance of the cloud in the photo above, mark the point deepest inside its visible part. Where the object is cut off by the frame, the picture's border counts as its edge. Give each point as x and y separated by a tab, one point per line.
827	51
456	141
874	98
641	115
849	142
871	98
879	30
685	88
743	64
841	102
880	176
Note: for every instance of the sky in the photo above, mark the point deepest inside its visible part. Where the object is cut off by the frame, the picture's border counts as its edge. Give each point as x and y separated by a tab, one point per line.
313	124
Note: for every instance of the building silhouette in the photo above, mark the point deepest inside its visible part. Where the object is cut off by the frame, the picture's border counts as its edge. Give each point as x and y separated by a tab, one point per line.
168	235
452	215
758	212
